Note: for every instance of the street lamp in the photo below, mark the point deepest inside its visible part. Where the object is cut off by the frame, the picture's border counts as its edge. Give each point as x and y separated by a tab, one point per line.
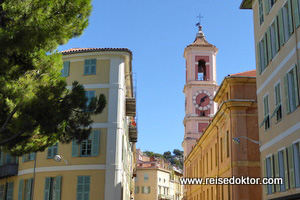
58	158
237	140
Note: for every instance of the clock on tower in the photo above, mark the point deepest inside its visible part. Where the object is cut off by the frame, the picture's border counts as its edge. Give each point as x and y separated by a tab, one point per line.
199	89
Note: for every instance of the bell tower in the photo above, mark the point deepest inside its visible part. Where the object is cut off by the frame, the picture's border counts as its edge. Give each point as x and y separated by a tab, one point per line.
200	88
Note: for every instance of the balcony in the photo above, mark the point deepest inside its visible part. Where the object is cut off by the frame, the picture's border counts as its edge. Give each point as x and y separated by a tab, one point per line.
130	107
133	134
8	170
164	197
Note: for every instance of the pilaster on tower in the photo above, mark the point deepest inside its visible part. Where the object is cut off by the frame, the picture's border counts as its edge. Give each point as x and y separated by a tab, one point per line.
200	88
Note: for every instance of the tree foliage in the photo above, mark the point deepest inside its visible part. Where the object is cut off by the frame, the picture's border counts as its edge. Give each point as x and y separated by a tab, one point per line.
36	108
176	159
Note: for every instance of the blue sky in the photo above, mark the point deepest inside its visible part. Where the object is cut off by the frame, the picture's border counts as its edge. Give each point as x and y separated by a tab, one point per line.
157	31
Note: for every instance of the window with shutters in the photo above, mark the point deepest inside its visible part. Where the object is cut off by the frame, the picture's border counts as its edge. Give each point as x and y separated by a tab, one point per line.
145	189
278	108
291	90
52	151
296	6
260	11
296	149
52	189
25	189
90	66
266	120
2	191
287	20
66	69
6	158
268	5
89	95
89	147
83	188
28	157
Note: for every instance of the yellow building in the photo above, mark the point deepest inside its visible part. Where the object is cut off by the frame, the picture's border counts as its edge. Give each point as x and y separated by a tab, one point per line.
276	26
215	155
100	168
156	179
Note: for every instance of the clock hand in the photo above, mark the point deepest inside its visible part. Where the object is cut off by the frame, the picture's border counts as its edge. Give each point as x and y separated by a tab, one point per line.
202	99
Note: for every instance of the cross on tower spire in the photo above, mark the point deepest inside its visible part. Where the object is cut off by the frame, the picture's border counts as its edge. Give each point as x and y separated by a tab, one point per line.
200	17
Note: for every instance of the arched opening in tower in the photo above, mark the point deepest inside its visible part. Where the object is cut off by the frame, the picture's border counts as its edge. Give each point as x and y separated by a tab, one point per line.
201	76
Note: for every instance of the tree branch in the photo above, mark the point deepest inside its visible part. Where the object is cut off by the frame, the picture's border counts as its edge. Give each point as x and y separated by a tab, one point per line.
9	118
3	142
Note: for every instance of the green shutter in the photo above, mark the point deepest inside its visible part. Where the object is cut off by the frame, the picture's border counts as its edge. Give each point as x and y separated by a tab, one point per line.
50	152
277	171
290	12
258	58
296	85
74	148
93	66
29	183
269	44
2	192
58	187
291	166
20	191
296	12
65	71
265	51
10	191
272	172
95	142
286	174
47	188
276	31
281	32
24	158
265	175
266	6
286	94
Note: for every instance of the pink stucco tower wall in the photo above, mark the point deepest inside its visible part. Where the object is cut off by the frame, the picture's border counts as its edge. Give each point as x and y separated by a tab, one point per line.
200	88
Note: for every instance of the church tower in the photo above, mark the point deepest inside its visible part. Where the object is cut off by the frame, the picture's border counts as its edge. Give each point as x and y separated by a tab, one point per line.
200	88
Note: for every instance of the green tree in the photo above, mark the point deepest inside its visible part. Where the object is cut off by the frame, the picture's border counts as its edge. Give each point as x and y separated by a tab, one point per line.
177	152
36	108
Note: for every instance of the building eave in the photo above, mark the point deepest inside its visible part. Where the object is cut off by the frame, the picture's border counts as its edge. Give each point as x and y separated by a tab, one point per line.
246	4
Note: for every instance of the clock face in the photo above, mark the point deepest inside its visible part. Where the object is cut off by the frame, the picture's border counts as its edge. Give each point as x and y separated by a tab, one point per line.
202	100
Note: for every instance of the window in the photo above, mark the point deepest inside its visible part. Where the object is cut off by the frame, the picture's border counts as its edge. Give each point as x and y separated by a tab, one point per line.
260	11
285	22
269	173
89	95
296	148
266	120
291	90
90	66
296	7
145	189
83	188
52	151
6	191
146	177
25	189
28	157
137	189
52	188
66	69
273	45
89	147
211	159
262	54
6	158
278	108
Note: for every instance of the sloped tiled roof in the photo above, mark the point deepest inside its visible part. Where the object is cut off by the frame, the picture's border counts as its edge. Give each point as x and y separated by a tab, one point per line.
200	40
251	73
83	50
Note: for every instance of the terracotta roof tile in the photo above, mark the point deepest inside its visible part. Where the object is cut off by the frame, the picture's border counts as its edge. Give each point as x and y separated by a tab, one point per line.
82	50
251	73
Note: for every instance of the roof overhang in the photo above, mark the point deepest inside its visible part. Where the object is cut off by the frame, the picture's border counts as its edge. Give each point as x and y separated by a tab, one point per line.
246	4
